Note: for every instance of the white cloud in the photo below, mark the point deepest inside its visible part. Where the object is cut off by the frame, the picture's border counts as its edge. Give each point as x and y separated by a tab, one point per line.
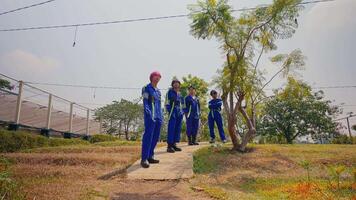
24	62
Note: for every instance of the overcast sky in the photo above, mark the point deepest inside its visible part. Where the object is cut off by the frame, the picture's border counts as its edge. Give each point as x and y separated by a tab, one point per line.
123	55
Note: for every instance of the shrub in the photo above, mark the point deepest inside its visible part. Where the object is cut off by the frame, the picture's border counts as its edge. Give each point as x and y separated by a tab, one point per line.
9	188
11	141
102	138
344	139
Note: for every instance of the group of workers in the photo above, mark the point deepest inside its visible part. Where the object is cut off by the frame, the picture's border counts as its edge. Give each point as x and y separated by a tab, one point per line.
177	106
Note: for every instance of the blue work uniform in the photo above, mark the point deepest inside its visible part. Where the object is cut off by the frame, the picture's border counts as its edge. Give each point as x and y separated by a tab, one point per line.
215	116
174	103
153	119
192	111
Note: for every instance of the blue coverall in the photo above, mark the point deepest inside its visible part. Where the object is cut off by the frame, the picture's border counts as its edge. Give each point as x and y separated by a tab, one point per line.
215	116
175	116
192	110
153	119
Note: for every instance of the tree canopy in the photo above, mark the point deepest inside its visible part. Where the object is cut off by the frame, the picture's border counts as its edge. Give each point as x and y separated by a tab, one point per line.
295	111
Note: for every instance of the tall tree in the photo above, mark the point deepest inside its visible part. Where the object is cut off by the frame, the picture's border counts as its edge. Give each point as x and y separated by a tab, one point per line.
295	111
239	79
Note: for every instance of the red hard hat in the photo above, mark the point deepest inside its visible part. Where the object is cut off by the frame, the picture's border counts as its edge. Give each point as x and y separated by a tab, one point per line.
155	73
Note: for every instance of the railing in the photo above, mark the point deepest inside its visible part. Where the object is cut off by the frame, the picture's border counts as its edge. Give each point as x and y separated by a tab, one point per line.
25	105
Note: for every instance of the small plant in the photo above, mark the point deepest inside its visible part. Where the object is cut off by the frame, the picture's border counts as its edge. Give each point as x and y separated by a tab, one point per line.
336	172
353	173
305	164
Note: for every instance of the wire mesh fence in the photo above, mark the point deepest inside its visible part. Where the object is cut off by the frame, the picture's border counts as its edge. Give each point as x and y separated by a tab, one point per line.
23	105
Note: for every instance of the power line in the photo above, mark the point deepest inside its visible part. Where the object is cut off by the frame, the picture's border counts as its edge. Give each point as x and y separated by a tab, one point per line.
26	7
137	88
133	20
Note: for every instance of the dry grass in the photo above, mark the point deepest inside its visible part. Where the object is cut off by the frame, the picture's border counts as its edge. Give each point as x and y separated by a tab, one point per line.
273	171
69	172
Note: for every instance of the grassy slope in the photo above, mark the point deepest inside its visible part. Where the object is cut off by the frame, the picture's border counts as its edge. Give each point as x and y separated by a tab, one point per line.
274	172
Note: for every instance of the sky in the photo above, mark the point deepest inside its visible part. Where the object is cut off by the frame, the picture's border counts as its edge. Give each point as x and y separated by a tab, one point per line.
123	55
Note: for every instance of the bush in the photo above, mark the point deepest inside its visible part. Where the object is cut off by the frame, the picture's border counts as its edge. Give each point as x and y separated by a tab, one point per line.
102	138
344	139
11	141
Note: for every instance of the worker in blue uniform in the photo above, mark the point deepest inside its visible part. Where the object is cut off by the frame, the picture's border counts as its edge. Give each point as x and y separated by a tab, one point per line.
153	119
192	114
215	117
175	116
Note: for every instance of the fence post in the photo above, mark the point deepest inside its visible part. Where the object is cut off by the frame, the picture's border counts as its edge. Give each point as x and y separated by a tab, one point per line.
348	126
49	112
71	118
88	120
19	103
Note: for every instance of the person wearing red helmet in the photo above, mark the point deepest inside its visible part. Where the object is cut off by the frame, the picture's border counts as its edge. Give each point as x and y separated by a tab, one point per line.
153	119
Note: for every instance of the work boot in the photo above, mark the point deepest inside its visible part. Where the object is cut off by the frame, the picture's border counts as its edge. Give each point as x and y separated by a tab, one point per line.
176	148
190	140
194	140
153	161
145	164
224	141
212	141
170	149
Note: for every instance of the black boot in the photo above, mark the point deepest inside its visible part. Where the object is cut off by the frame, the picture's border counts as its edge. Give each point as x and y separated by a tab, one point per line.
176	148
145	164
194	140
190	140
170	149
153	161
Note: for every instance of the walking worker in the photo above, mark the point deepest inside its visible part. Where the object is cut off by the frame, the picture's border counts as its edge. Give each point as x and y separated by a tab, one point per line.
192	113
153	119
174	103
215	116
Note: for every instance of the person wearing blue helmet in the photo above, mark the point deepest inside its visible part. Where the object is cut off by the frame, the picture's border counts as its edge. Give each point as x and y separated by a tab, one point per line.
174	103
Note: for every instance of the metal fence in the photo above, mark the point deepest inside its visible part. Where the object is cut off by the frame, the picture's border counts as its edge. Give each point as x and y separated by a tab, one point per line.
26	106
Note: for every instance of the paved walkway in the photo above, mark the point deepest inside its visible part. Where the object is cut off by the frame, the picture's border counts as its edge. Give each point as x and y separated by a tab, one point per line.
172	166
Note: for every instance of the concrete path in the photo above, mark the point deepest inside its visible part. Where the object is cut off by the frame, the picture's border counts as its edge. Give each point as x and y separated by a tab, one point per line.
178	165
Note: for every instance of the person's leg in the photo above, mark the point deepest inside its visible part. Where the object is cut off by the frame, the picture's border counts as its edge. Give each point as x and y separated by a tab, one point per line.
155	138
219	123
147	139
211	128
195	127
171	131
189	123
178	129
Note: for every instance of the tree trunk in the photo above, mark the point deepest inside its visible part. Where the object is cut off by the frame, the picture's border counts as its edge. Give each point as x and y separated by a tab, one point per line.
251	125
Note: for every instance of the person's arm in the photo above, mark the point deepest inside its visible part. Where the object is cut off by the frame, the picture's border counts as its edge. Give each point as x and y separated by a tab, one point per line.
146	101
187	106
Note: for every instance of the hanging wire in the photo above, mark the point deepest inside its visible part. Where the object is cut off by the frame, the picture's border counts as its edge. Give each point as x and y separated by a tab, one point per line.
75	36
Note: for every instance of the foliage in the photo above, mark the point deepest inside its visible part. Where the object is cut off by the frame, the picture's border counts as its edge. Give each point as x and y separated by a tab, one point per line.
295	111
102	138
239	79
11	141
121	116
336	172
354	127
5	84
